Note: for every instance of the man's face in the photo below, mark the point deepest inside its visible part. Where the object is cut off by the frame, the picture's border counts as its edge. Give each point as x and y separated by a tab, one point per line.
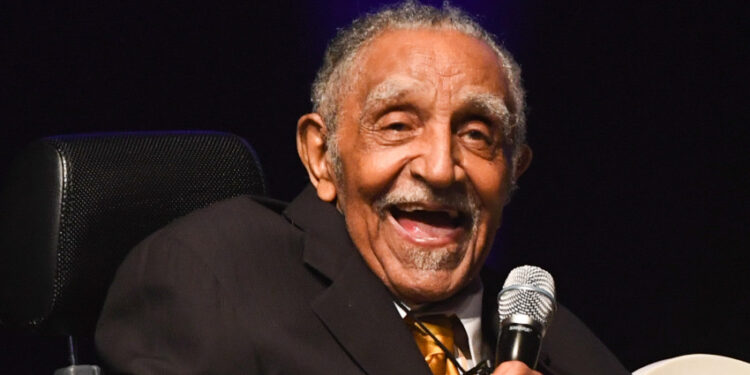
425	169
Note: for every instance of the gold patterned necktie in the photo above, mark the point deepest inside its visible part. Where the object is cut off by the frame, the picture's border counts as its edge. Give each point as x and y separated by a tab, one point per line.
441	327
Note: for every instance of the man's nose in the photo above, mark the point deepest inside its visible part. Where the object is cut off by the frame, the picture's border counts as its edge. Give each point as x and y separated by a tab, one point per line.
438	162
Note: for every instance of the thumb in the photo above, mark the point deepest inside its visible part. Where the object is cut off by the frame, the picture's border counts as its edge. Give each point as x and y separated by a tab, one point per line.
514	368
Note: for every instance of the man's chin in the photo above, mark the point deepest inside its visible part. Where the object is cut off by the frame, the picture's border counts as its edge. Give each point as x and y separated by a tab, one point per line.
444	259
422	275
424	286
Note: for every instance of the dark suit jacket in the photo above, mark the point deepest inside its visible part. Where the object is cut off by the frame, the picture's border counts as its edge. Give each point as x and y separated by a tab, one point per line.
240	289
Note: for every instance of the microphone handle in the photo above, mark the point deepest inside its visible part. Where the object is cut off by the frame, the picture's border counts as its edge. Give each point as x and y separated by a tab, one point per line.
518	342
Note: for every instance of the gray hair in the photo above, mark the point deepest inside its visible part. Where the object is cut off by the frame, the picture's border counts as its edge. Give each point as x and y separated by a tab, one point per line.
341	52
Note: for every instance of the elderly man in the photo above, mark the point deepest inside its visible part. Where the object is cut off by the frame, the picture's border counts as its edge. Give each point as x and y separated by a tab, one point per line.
413	150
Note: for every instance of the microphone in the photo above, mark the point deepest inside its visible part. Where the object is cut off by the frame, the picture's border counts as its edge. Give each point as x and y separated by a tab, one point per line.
525	305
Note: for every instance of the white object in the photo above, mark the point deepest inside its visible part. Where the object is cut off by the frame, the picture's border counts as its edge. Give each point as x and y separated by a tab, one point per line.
696	364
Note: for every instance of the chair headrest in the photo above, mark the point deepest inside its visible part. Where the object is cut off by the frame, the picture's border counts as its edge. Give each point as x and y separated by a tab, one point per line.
73	206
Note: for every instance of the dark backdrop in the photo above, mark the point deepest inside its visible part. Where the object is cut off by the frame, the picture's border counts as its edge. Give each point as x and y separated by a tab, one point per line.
635	200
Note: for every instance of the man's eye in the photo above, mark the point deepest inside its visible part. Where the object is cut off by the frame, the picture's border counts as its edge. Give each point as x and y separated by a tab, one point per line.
396	126
477	135
474	136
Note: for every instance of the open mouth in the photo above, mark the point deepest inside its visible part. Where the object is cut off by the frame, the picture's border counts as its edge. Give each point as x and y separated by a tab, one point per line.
430	225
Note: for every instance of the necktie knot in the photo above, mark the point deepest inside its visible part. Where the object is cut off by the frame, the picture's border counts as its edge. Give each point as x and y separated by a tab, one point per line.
441	327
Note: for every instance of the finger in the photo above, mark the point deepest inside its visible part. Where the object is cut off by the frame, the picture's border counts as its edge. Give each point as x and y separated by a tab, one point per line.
514	368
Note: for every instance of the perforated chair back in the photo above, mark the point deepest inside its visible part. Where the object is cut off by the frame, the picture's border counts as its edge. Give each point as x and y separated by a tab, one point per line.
73	206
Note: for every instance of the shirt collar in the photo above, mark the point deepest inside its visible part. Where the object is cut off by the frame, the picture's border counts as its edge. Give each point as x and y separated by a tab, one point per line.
467	306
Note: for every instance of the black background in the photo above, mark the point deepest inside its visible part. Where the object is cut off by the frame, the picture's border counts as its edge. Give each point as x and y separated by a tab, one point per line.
637	196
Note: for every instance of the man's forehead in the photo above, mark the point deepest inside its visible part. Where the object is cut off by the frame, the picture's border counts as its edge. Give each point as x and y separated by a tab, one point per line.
443	53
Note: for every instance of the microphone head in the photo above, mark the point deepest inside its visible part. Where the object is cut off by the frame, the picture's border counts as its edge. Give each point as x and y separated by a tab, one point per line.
529	291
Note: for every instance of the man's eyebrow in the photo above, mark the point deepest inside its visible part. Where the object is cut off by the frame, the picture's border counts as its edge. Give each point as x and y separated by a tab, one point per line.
490	104
388	91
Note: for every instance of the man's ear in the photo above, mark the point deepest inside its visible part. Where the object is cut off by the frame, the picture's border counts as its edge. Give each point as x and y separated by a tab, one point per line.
313	151
522	161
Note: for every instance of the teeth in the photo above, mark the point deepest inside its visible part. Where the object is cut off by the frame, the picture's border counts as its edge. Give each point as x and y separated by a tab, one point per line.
413	207
410	208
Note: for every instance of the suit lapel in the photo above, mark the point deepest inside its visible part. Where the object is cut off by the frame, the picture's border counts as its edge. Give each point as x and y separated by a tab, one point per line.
356	307
359	312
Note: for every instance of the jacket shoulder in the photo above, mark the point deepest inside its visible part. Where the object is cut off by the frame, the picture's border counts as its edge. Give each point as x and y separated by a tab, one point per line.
185	290
231	210
243	216
238	231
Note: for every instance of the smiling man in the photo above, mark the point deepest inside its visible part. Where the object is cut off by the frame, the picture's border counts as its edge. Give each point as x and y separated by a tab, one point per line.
413	148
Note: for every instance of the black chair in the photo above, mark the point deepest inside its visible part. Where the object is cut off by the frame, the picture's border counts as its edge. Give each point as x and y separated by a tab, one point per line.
74	205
